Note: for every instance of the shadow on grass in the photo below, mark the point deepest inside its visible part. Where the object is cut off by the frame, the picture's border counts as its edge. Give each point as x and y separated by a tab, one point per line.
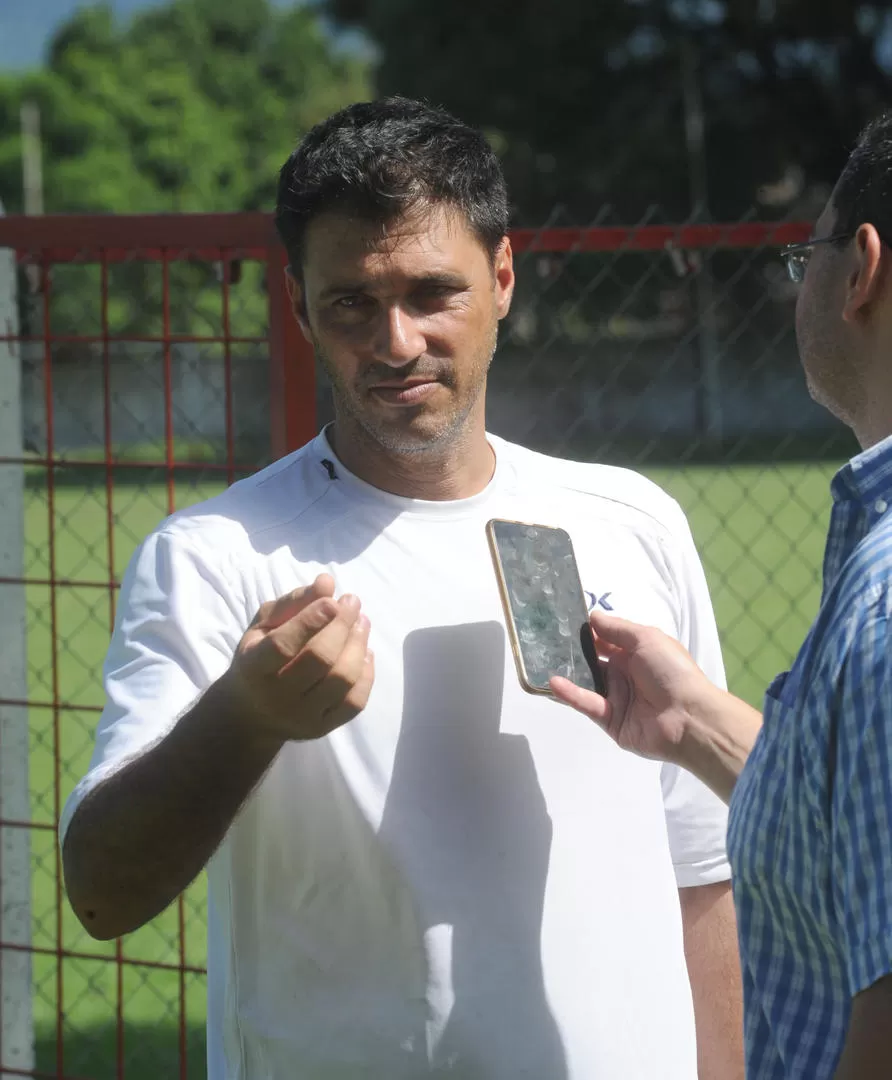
150	1052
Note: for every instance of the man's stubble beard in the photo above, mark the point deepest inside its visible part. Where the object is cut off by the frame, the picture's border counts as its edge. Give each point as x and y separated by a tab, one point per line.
348	409
832	375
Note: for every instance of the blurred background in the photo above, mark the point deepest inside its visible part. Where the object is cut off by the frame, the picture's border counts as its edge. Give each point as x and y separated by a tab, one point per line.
658	153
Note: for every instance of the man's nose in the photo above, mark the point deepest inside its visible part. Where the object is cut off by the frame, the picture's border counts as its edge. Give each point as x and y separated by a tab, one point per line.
399	340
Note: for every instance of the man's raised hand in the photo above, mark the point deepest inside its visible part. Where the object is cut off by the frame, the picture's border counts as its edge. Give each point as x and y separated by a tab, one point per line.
303	666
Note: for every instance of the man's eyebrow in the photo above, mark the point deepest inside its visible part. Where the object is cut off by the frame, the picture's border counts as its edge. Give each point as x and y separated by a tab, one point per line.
343	289
443	277
449	278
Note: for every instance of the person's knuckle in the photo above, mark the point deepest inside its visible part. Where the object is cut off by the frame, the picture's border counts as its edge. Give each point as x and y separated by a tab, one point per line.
339	681
308	614
279	646
321	654
358	695
352	664
342	715
264	611
319	615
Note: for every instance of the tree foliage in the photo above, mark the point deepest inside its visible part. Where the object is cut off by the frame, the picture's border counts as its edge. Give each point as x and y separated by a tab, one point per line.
586	99
595	107
191	106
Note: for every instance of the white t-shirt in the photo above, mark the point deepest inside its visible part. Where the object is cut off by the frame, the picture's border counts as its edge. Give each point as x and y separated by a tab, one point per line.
466	880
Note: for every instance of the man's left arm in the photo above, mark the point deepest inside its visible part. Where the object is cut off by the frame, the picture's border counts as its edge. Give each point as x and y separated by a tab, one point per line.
710	944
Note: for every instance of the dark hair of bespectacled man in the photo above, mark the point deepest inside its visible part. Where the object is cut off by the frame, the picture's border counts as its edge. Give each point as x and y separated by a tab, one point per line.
863	193
381	160
862	196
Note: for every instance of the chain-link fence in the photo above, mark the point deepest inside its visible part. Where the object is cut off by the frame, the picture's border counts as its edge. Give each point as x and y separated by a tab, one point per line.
154	361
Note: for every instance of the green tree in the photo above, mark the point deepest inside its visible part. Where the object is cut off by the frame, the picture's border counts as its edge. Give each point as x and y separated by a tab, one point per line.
586	100
593	106
188	107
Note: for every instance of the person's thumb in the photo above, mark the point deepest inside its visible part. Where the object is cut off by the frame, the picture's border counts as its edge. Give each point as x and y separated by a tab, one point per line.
617	632
286	607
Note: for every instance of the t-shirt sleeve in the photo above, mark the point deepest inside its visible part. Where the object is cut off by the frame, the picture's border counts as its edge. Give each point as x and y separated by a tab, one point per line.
861	802
176	629
697	820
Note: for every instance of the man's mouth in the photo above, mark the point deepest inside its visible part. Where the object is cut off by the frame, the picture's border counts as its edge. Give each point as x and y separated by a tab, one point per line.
404	391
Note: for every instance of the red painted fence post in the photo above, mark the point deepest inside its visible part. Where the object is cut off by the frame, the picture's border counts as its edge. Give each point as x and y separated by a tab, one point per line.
293	366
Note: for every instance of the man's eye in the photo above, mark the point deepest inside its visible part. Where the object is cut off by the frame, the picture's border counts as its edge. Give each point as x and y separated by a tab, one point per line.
350	301
431	293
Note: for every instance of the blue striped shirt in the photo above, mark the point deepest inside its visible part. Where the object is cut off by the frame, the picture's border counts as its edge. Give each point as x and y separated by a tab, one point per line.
810	828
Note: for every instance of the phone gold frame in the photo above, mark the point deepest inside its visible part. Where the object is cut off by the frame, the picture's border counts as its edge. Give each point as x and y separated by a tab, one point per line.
522	675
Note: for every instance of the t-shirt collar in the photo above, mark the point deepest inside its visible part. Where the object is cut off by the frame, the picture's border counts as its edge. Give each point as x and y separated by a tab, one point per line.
355	487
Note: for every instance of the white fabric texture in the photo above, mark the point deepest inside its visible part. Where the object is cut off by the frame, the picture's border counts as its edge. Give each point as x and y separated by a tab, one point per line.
467	880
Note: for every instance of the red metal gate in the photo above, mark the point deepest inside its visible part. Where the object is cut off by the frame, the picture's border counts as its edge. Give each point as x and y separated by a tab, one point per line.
90	1024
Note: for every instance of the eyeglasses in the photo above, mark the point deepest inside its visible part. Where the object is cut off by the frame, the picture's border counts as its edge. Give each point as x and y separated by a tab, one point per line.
796	256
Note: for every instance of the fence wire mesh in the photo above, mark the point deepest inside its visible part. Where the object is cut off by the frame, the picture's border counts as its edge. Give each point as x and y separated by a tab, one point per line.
154	373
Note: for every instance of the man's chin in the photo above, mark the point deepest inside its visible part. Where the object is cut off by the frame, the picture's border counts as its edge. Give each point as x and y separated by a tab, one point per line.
406	442
829	401
415	431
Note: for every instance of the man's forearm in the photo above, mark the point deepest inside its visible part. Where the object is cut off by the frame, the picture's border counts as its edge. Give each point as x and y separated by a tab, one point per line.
718	739
710	942
146	832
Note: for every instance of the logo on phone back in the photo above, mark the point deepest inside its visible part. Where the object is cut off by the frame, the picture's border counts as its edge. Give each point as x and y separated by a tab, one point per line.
598	601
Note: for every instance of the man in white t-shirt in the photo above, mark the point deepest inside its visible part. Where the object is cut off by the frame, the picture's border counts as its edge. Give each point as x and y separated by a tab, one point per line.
415	868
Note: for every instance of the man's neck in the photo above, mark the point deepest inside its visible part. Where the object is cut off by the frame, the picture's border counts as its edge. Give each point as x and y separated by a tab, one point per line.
458	469
870	408
876	424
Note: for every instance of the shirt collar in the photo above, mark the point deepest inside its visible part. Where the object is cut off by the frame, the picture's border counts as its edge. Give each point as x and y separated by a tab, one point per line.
867	478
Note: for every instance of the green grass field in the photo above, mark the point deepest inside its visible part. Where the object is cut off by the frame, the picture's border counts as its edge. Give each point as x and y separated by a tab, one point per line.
760	531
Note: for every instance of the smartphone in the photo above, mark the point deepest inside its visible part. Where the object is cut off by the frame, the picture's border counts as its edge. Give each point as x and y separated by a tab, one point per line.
544	605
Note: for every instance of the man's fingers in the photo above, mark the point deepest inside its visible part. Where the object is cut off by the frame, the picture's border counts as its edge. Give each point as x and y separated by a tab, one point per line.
275	613
616	632
310	653
273	651
585	701
356	699
337	683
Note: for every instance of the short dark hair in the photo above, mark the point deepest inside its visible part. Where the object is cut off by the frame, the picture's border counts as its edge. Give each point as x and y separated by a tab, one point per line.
382	159
863	193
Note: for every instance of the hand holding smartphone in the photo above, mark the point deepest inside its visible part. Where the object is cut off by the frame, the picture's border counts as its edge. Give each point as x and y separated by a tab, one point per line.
544	606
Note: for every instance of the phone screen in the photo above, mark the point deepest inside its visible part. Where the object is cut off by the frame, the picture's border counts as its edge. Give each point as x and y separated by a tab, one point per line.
544	605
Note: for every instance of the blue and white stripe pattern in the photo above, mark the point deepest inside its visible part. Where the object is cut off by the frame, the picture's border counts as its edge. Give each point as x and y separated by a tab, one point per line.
810	829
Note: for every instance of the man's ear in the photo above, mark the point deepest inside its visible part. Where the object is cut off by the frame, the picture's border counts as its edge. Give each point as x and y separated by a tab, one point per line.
504	274
865	276
298	302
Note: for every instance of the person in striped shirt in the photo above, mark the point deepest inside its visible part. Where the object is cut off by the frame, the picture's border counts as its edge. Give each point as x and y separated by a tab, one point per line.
809	781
